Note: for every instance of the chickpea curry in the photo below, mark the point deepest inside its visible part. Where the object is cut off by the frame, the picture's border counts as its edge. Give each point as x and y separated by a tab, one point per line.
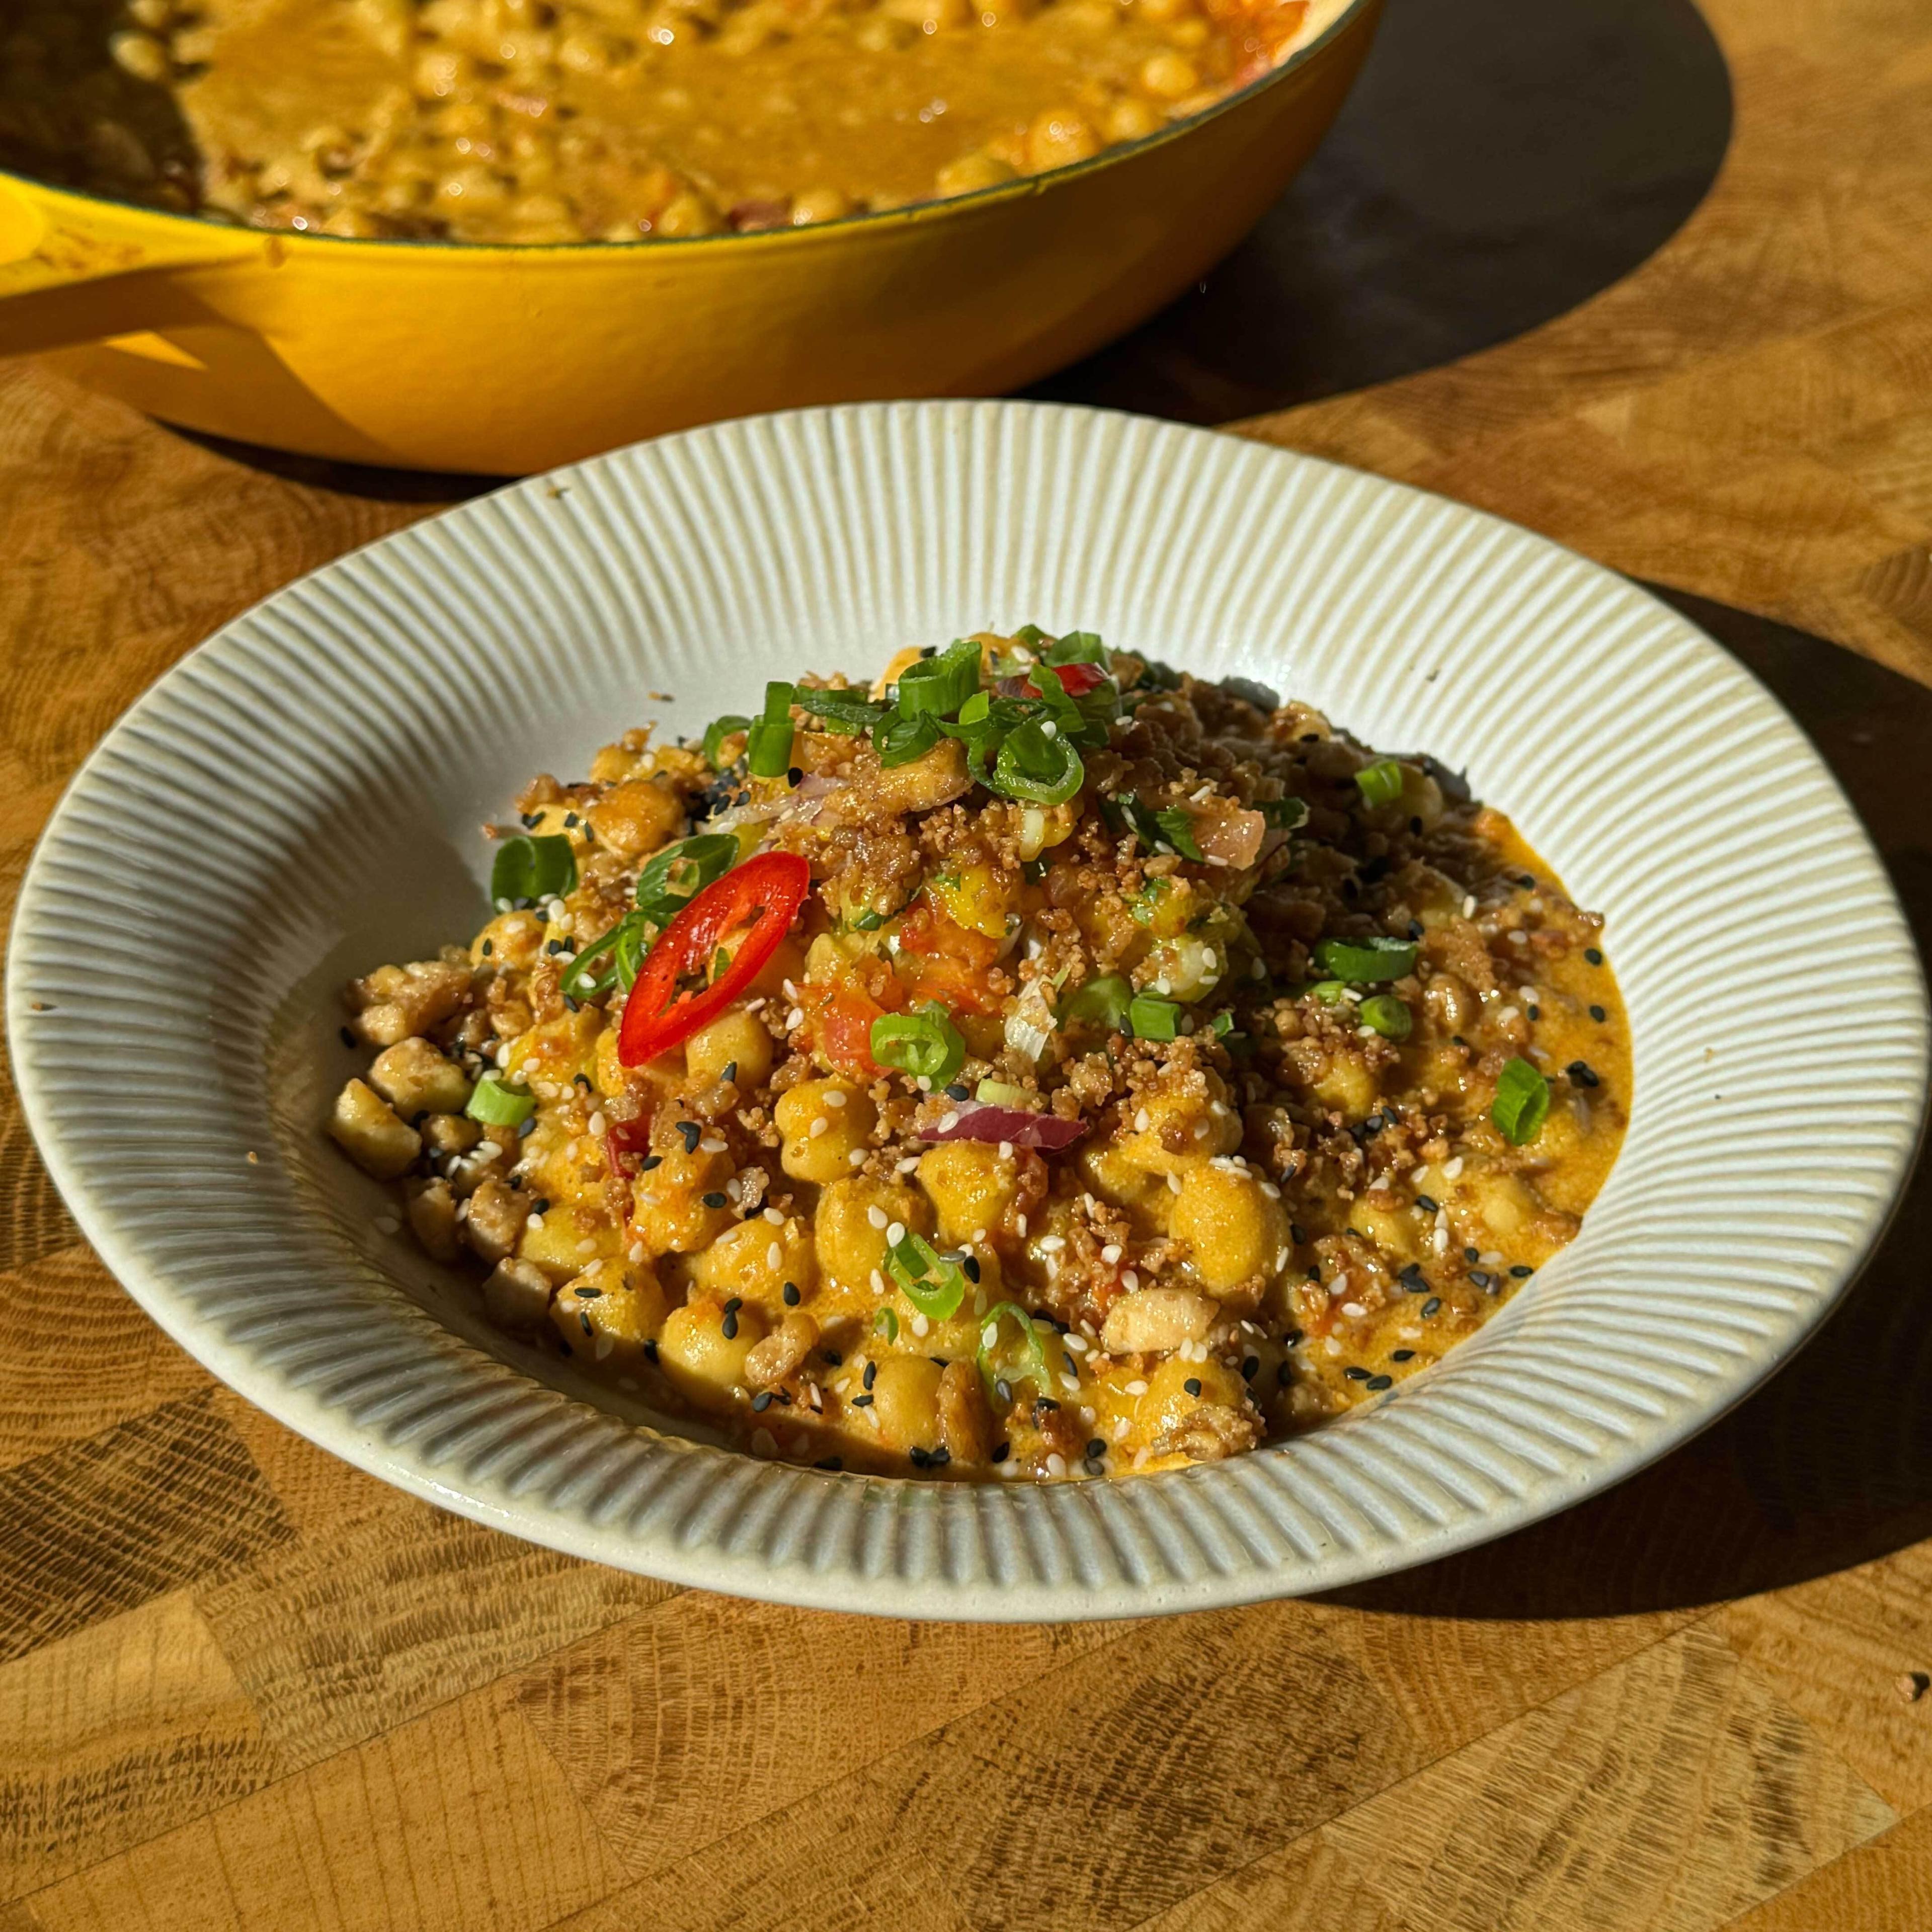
543	121
1034	1064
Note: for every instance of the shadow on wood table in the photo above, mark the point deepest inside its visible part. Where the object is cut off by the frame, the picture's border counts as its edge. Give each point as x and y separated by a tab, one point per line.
1830	1465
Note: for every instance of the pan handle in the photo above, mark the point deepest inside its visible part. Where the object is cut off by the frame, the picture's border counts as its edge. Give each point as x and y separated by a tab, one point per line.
73	270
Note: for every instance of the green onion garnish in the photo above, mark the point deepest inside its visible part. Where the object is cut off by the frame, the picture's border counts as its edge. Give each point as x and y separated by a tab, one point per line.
1000	1093
1387	1015
1366	960
901	738
1381	783
532	868
1152	1018
1286	813
926	1045
496	1105
886	1322
849	712
1522	1103
1177	827
680	872
1078	647
870	920
1037	1364
1037	769
718	730
933	1284
1328	991
768	744
936	687
1102	1002
624	942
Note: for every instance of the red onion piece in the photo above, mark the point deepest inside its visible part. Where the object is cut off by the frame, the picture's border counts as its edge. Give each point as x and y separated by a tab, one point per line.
980	1120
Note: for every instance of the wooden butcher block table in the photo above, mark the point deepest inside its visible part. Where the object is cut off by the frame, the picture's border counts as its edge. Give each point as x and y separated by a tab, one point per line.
242	1684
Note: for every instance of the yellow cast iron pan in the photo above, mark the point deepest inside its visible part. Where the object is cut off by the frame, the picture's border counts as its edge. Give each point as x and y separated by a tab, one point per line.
444	356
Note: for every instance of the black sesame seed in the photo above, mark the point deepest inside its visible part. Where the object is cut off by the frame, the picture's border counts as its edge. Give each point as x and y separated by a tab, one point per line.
791	1295
489	947
692	1134
861	1402
527	1128
553	946
1415	826
1521	1273
731	1327
1415	929
530	818
1428	1204
583	1080
1432	1306
1001	1450
1002	1388
1481	1280
732	1307
971	1265
571	1005
650	1161
761	1402
1580	1071
1590	953
570	819
1192	1385
1403	1355
1355	1374
921	1459
1472	1254
589	1294
1292	1339
1094	1468
714	1199
832	1356
1097	1448
1251	1367
1597	1013
958	1091
585	1320
1044	1405
1456	1040
1380	1382
871	1375
1528	883
1298	1233
939	1361
1314	1274
1536	1012
348	1038
651	1350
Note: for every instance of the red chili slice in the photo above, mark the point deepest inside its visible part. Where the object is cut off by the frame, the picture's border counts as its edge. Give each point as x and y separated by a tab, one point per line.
1075	679
764	894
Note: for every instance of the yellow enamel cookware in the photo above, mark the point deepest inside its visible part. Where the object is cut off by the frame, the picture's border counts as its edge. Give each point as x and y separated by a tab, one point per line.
443	355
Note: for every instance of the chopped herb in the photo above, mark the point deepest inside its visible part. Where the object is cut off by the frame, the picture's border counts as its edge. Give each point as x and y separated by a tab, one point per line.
1387	1016
934	1283
1152	1018
1367	961
716	733
1380	783
532	868
885	1323
1522	1102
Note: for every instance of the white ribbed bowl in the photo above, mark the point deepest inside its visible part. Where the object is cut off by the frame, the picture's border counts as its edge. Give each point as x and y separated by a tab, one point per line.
300	799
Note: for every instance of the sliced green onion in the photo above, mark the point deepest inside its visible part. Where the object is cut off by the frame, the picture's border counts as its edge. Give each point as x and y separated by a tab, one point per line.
1329	992
886	1322
1103	1002
926	1045
870	920
1522	1103
716	732
1366	960
1380	783
768	742
624	942
1387	1015
1177	827
1285	813
532	868
936	687
850	712
1037	769
1079	647
901	738
680	872
933	1284
1037	1364
1000	1093
497	1105
975	729
1152	1018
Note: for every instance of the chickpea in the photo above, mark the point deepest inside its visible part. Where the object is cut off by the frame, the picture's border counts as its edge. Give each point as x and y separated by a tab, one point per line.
1234	1231
610	1310
1169	1401
824	1123
966	1424
1450	1003
754	1260
1348	1084
1133	120
1182	1126
1169	75
905	1398
672	1207
970	1186
1114	1177
690	213
704	1364
735	1039
854	1216
820	204
1397	1229
564	1239
636	817
1058	137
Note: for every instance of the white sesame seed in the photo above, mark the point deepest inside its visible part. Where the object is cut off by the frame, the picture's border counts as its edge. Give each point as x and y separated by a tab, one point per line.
907	1165
1331	1346
1135	1387
1353	1310
534	1223
713	1145
835	1096
1071	1384
1111	1253
1020	1225
878	1282
820	1125
1056	1464
597	1123
1141	1456
1174	1184
979	1239
1052	1244
1439	1241
989	1336
1273	1192
1140	1121
586	1247
856	1158
794	1020
894	1232
774	1256
948	1122
1130	1280
877	1216
634	1253
1120	1427
603	1347
1452	1170
1074	1343
920	1324
1006	1149
387	1224
772	1215
1468	905
791	991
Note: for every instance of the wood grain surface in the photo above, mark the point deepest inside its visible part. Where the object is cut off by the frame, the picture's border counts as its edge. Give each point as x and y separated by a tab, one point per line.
243	1685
